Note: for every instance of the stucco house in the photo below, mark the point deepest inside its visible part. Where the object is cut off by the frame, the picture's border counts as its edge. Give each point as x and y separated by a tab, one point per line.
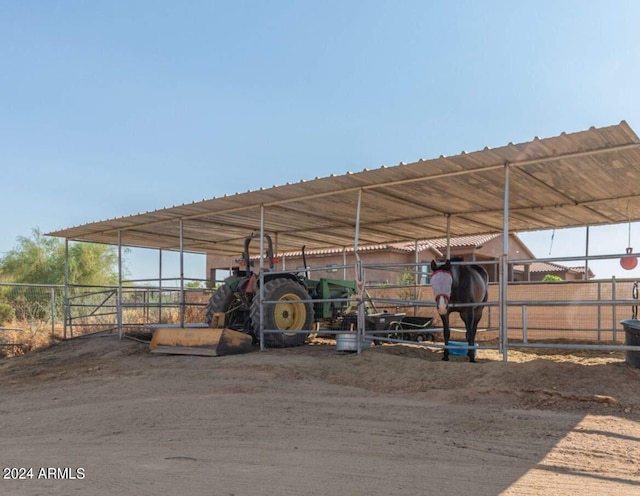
399	258
538	270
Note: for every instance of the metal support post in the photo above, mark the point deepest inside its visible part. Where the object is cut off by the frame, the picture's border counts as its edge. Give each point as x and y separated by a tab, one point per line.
359	278
448	255
613	309
53	313
586	260
182	293
119	298
504	268
66	310
416	276
160	286
261	280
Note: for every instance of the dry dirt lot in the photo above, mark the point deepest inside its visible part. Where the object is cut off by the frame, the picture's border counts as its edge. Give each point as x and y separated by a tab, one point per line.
314	421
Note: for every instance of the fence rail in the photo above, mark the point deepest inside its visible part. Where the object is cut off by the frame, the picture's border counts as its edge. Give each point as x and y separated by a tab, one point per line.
46	313
539	312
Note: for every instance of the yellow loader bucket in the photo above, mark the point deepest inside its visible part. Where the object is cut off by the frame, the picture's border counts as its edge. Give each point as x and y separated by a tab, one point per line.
203	341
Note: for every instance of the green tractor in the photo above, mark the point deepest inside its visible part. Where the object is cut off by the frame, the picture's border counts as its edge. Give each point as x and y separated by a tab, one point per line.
239	299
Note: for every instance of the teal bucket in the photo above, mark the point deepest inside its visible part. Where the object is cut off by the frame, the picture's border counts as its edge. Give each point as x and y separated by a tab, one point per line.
456	347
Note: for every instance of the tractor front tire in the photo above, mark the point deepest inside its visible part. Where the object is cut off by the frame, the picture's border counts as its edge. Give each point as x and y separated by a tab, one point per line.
290	314
220	301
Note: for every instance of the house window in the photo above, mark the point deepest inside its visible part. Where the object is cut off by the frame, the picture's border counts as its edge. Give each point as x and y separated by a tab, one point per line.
425	276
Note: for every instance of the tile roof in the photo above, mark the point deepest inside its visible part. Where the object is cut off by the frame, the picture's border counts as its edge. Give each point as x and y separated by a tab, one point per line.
402	247
437	244
462	241
552	267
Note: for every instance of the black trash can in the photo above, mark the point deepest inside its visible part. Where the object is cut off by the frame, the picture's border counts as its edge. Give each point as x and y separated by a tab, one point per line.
632	338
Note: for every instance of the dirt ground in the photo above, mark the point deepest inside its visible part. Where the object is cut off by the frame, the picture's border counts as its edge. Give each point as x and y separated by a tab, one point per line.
315	421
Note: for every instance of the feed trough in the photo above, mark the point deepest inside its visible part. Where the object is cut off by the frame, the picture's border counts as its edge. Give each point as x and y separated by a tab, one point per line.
632	338
348	341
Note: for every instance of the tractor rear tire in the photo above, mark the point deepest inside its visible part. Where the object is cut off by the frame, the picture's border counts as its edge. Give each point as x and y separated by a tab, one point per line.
220	301
290	314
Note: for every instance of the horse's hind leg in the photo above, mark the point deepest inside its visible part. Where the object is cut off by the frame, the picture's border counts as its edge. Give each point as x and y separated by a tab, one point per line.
471	353
446	333
471	326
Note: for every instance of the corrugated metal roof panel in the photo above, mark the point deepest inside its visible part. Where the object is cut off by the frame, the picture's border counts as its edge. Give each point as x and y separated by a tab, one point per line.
584	178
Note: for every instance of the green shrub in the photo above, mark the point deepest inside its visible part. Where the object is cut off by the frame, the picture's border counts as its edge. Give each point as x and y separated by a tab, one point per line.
6	313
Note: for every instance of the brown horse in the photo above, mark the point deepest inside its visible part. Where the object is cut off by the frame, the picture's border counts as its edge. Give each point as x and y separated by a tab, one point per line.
459	284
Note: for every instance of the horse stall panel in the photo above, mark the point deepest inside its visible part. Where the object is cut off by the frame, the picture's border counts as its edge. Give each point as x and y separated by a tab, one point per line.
567	321
544	322
399	294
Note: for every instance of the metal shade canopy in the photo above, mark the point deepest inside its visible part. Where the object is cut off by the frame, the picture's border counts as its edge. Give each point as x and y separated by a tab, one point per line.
585	178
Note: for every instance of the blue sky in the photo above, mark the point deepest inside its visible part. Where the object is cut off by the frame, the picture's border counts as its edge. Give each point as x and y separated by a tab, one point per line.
109	108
